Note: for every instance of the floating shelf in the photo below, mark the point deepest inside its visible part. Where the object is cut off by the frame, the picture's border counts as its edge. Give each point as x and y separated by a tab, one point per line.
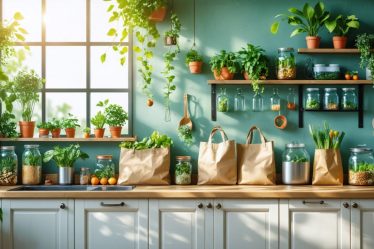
328	51
64	139
292	82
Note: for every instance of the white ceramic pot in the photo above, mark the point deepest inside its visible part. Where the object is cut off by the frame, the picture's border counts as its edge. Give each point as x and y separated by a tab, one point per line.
368	74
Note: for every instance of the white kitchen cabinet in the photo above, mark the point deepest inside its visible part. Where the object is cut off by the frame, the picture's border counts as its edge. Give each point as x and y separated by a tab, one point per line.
37	224
362	224
245	224
310	224
111	224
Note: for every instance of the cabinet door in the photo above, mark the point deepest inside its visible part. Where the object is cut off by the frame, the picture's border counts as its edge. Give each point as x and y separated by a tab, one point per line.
111	224
36	224
362	224
245	224
182	224
310	224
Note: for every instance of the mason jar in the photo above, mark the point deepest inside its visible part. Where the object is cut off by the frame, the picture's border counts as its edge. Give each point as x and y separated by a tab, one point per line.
105	167
295	164
84	176
331	99
183	170
223	101
286	64
349	99
361	166
313	101
31	165
8	165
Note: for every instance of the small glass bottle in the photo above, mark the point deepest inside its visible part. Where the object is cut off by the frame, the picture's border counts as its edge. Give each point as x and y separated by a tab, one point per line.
31	165
258	102
349	99
85	176
361	166
286	64
239	101
291	100
8	166
222	101
183	170
275	101
313	101
105	167
331	99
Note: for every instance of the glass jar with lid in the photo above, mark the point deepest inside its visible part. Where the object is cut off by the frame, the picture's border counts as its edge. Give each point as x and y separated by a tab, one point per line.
331	99
312	99
275	101
31	165
8	166
291	99
84	177
286	64
361	166
105	167
349	99
222	101
183	170
295	164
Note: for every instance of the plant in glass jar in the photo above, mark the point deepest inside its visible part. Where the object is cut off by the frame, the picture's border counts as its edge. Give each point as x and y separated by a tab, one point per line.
55	127
8	126
224	65
86	132
222	101
194	61
43	129
116	117
70	124
364	43
341	26
8	170
31	165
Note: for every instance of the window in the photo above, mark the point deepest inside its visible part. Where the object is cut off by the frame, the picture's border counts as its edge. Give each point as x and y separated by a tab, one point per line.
66	39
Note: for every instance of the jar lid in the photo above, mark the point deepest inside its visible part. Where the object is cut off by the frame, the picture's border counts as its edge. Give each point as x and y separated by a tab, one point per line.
319	65
330	89
334	65
183	158
349	89
312	89
295	145
85	169
285	49
361	149
7	148
31	146
105	157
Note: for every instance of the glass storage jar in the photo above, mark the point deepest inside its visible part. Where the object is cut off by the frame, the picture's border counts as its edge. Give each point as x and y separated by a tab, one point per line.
331	99
105	167
31	165
291	99
257	102
361	166
286	64
326	72
183	170
85	176
222	101
239	101
312	99
349	99
295	164
275	101
8	166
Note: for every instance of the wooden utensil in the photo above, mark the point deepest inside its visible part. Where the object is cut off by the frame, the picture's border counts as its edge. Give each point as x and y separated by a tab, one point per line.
186	117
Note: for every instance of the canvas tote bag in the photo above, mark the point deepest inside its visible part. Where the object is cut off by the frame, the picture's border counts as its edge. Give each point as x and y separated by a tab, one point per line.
144	167
217	161
256	163
327	167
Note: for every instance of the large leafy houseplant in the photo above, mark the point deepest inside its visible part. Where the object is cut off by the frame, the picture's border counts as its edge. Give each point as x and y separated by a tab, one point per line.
365	44
341	26
116	117
224	65
306	20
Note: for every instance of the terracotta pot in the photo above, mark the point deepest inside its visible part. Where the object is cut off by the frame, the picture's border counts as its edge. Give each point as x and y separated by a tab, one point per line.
99	133
115	131
170	41
339	41
43	132
225	74
313	41
195	67
246	76
27	129
158	15
56	133
86	135
70	132
280	122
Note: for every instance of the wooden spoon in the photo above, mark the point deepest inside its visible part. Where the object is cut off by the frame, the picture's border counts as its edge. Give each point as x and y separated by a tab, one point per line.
186	117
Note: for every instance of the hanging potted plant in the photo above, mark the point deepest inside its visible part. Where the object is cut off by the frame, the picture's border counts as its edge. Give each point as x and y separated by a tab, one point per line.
365	44
8	126
116	117
65	157
55	127
224	65
307	20
26	86
194	61
340	26
172	35
86	132
43	129
159	12
70	124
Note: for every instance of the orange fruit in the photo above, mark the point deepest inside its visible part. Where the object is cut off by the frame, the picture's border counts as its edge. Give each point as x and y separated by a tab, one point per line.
104	181
355	77
150	102
95	180
112	181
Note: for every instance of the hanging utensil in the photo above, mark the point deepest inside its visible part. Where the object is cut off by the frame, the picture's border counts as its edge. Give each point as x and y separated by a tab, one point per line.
186	117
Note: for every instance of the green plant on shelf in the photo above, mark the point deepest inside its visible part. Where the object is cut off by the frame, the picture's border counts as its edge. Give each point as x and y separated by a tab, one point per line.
326	138
312	104
43	125
115	115
341	25
8	126
55	124
70	122
224	59
364	43
156	140
362	167
223	105
326	75
65	156
32	160
185	134
87	130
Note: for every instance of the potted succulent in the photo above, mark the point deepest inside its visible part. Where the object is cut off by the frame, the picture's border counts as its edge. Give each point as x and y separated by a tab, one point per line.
307	20
43	129
8	126
86	132
172	35
365	44
26	87
340	26
70	124
159	10
194	61
115	117
254	64
65	157
55	127
224	65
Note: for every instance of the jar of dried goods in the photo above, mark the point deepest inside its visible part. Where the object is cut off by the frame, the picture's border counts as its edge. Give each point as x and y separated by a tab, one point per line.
286	64
31	165
8	166
331	97
361	166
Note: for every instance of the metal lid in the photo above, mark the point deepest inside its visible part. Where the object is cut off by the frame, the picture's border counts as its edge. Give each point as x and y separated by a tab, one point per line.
330	89
334	65
361	149
349	89
183	158
312	89
7	148
105	157
286	50
31	146
319	65
295	145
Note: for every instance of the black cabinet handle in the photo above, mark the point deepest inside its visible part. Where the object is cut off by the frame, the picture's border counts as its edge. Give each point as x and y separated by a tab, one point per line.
219	206
314	202
209	205
62	206
346	205
200	205
355	205
122	204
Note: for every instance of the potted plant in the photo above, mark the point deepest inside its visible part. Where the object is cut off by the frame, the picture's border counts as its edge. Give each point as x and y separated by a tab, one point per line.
8	126
86	132
115	117
70	124
99	121
26	87
340	26
43	129
307	20
65	157
194	61
172	35
365	43
55	127
159	10
254	64
224	65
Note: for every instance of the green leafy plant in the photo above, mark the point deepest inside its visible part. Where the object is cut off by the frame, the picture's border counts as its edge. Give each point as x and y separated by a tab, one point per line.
104	171
87	130
299	159
32	160
365	43
156	140
185	134
362	167
193	56
65	156
70	122
307	20
326	138
54	124
115	115
99	120
224	59
43	125
341	25
8	171
175	29
8	127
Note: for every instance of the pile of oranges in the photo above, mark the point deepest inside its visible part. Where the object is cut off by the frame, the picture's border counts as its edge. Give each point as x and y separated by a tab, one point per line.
103	181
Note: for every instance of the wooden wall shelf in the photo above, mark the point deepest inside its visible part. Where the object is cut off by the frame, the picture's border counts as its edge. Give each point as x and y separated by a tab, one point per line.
292	82
328	51
71	140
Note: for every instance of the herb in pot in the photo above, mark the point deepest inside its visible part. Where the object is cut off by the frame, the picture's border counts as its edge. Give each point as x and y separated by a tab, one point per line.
115	115
156	140
224	60
70	122
185	134
98	120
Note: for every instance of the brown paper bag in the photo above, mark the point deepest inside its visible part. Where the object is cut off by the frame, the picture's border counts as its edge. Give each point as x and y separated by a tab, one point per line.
327	167
217	162
144	167
256	163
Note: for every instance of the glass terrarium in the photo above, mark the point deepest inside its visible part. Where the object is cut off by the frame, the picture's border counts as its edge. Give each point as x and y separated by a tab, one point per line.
361	166
223	101
286	64
8	166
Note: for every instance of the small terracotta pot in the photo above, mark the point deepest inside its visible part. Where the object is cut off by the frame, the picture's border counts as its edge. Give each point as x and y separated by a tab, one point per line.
196	67
339	42
224	75
158	15
70	132
246	76
43	132
170	41
99	133
313	41
280	122
56	133
27	129
86	135
115	131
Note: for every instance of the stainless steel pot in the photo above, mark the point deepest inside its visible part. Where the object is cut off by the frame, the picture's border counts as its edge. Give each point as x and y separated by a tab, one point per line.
295	173
66	175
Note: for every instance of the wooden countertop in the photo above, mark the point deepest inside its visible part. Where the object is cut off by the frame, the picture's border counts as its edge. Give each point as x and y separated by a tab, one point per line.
204	192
